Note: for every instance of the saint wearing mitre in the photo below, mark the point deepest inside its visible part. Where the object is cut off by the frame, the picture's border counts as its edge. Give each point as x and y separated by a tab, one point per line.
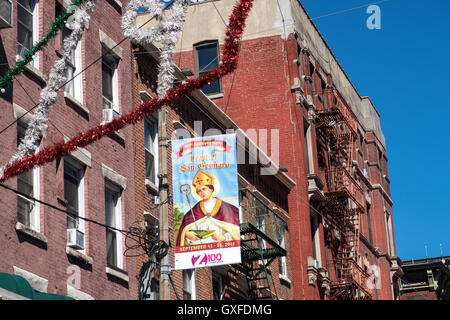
211	219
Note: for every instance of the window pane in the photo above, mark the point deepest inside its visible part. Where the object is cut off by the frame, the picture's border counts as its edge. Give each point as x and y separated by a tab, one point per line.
69	87
207	58
149	166
25	185
150	130
71	194
187	284
212	88
24	27
107	80
110	204
111	248
24	205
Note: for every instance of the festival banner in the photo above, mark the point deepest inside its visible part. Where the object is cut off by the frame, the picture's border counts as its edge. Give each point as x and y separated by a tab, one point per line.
205	202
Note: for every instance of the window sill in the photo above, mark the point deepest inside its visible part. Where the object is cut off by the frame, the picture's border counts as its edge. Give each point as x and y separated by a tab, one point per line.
150	185
284	279
215	96
23	229
120	274
75	102
79	255
31	69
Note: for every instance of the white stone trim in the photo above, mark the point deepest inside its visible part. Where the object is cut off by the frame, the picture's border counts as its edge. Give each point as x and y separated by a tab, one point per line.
32	69
76	102
78	294
37	283
79	255
114	177
110	44
81	155
21	228
23	117
118	274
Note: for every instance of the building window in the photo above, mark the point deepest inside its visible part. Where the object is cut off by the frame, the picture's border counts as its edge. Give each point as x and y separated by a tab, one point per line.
74	193
113	219
261	212
308	149
74	86
28	184
188	284
110	87
206	59
369	223
218	285
390	238
151	150
281	238
315	239
27	26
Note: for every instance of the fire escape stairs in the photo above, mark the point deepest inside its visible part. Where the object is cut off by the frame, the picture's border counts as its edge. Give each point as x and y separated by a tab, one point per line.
256	260
338	125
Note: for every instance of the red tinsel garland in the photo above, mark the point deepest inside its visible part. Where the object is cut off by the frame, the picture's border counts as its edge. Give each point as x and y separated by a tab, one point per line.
229	57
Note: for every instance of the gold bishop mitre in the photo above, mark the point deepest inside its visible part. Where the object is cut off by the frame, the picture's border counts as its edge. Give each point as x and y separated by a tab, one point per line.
202	178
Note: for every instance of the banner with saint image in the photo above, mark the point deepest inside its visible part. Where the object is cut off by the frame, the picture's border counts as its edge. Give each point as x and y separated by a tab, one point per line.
205	202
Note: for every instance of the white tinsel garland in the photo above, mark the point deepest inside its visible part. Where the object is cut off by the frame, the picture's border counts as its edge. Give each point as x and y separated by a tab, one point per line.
166	33
57	77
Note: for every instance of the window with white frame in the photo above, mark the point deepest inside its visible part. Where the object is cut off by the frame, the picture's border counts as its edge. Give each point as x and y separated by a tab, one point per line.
315	237
73	86
110	86
151	150
113	215
207	59
188	284
27	27
28	184
74	194
281	238
261	212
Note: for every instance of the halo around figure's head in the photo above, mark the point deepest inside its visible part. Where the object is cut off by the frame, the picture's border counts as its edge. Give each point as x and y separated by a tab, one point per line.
203	178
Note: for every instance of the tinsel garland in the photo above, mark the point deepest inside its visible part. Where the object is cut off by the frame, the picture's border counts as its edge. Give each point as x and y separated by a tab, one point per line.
230	58
166	33
57	78
57	25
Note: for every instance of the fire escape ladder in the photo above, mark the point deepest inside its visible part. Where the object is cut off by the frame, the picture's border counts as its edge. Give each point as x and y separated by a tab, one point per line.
344	198
256	259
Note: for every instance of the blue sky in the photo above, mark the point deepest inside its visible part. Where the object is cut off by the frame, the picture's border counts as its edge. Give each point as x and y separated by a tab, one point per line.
404	68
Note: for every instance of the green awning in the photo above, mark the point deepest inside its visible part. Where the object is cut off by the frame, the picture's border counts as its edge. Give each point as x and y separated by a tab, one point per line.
21	287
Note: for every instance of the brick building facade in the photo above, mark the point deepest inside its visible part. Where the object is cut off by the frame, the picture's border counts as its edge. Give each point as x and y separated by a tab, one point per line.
289	83
92	182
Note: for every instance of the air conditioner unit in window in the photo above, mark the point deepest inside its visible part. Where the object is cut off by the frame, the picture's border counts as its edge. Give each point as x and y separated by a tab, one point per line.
108	115
5	14
75	239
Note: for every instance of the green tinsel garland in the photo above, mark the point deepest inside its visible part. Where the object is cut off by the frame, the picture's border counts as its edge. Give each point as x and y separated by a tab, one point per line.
57	25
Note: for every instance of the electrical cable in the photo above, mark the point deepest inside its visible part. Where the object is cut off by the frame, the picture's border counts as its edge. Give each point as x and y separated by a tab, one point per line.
62	210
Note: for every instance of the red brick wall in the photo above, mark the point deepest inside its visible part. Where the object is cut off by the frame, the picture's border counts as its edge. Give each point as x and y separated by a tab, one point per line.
51	261
257	96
